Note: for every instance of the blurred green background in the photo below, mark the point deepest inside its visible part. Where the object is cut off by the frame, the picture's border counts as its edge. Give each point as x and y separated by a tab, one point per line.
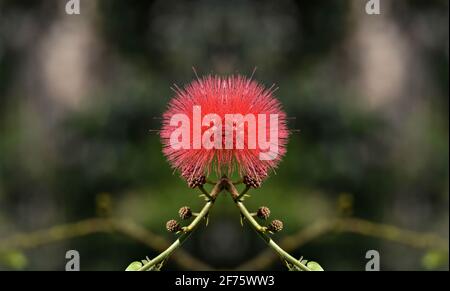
81	94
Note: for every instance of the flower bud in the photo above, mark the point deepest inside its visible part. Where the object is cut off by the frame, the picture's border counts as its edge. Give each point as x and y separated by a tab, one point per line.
198	181
275	226
173	226
252	182
263	212
185	212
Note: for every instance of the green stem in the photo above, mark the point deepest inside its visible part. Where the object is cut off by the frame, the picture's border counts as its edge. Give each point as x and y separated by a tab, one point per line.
203	213
208	196
261	230
249	217
186	230
176	244
238	198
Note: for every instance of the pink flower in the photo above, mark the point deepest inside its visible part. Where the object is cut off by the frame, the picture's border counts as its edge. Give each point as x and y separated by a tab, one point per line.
224	125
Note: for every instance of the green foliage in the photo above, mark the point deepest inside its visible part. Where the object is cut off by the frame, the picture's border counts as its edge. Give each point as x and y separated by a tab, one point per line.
314	266
13	259
311	265
134	266
435	259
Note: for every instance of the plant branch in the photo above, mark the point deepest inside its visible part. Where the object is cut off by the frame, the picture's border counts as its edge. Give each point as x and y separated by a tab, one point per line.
389	232
56	233
348	225
91	226
186	231
288	243
242	194
262	231
159	243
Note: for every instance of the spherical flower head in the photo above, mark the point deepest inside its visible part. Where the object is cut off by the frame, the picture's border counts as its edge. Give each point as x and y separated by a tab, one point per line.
275	226
173	226
263	212
224	124
185	212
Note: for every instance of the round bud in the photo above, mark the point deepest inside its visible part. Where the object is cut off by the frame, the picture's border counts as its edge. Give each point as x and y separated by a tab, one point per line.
173	226
252	182
263	212
185	212
198	181
275	226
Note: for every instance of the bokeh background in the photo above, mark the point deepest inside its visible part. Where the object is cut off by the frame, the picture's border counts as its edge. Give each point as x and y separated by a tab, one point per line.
80	96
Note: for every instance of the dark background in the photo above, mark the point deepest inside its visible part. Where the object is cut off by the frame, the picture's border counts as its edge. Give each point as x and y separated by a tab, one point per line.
79	95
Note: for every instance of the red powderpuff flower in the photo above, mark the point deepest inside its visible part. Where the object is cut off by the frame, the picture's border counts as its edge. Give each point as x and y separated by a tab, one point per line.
222	125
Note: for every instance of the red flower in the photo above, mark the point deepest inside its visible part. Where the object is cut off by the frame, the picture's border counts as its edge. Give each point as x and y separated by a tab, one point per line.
222	125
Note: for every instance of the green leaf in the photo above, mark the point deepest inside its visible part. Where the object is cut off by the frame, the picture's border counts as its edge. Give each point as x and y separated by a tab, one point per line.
14	259
434	259
314	266
134	266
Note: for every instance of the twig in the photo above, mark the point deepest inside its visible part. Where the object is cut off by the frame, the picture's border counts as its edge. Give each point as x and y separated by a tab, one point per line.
158	243
185	260
289	243
351	225
98	225
56	233
261	230
242	194
186	231
392	233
